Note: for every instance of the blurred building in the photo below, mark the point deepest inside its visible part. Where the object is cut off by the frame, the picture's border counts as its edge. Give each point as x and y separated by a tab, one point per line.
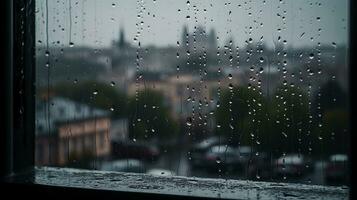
189	90
199	40
67	131
119	129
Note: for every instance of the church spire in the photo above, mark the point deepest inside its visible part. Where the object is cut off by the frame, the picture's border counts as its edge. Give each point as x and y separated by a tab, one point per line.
121	42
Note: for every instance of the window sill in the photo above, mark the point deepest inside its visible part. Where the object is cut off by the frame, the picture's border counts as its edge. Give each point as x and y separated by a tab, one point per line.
175	186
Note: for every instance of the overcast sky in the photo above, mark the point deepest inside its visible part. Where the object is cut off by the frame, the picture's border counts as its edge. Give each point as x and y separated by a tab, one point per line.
97	22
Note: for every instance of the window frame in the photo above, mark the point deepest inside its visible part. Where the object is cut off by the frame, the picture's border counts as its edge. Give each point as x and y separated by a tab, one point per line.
18	86
17	130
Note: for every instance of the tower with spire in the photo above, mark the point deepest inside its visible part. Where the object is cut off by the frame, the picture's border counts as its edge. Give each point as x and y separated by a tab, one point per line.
121	41
212	39
185	39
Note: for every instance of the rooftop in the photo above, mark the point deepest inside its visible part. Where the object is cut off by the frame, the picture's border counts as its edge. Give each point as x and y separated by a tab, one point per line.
59	110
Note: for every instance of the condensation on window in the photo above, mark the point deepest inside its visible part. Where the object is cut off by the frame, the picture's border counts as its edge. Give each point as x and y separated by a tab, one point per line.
247	90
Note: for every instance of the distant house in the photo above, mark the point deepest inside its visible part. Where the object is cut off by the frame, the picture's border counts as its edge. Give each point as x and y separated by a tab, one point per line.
119	129
68	131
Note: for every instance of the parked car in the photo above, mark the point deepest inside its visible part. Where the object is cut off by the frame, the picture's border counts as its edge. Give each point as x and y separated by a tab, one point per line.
245	154
125	165
293	165
199	150
224	157
336	171
260	167
136	150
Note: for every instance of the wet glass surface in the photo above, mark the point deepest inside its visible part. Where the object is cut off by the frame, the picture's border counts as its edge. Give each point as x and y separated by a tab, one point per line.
226	90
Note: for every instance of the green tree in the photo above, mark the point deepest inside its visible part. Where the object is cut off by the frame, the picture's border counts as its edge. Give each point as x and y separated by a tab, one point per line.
150	117
290	120
240	114
331	136
331	96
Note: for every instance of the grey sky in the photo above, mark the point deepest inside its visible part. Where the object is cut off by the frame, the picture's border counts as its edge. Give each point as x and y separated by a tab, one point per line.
97	22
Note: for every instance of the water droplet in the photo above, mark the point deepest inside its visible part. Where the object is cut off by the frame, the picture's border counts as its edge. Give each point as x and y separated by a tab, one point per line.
112	109
71	44
230	86
112	83
113	5
302	34
261	59
218	160
188	17
334	44
189	121
230	58
231	126
230	76
95	92
311	56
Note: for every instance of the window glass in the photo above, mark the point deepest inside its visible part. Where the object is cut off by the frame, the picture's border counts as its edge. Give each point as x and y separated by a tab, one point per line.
253	90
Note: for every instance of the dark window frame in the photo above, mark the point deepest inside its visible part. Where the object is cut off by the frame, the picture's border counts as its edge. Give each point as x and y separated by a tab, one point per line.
18	109
18	85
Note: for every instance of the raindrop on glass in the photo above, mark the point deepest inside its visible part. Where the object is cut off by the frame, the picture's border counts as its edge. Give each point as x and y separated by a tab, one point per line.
230	86
189	121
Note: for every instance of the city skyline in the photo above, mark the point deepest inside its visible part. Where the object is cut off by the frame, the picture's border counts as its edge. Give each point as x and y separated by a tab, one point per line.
161	23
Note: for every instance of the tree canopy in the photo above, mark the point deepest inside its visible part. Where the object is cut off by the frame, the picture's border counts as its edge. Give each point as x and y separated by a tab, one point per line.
150	117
